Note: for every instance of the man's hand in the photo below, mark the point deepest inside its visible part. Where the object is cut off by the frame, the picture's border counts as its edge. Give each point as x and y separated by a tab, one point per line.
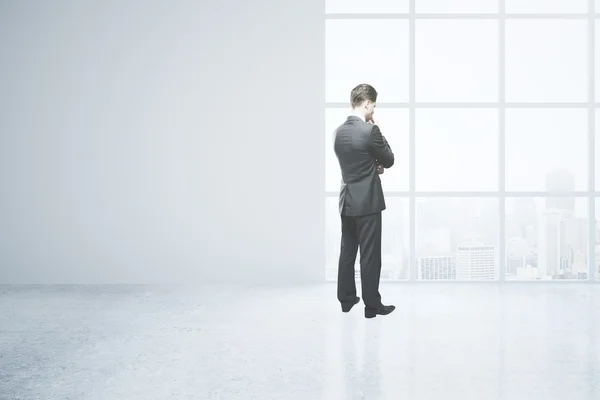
372	121
380	169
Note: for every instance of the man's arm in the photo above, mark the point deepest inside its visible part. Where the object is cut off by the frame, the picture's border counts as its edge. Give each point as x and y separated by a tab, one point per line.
380	148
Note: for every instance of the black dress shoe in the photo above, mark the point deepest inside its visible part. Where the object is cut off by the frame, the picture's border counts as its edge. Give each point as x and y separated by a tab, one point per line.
383	310
348	306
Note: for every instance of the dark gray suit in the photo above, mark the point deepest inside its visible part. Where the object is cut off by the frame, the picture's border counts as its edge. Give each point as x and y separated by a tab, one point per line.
359	147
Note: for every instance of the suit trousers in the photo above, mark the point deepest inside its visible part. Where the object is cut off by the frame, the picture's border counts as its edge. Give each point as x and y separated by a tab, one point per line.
364	232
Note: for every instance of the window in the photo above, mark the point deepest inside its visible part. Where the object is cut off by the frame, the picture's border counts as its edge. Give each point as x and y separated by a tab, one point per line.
547	238
385	41
456	149
545	146
490	113
456	61
546	60
457	238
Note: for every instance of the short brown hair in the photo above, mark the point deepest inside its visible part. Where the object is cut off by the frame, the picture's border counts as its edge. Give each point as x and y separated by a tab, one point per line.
362	93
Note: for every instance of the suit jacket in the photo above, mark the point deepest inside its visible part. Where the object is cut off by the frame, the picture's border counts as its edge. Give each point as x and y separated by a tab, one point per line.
359	147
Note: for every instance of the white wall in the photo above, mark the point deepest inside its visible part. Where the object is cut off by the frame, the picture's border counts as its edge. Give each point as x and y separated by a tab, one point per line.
157	141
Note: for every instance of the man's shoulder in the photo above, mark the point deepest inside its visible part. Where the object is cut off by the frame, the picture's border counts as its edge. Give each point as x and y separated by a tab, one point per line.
354	125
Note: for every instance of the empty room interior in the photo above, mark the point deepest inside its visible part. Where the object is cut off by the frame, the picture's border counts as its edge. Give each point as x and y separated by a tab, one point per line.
170	212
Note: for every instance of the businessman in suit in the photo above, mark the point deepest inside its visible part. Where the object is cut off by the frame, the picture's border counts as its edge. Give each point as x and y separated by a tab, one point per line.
363	154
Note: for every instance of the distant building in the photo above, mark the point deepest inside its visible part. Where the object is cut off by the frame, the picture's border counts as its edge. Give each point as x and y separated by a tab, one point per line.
555	255
560	180
517	249
527	273
532	260
441	267
524	214
513	263
476	262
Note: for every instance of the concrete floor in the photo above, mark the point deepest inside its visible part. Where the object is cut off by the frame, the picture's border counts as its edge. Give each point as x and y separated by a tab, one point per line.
444	341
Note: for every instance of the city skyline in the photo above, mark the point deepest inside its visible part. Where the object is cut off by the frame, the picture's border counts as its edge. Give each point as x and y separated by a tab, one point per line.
457	238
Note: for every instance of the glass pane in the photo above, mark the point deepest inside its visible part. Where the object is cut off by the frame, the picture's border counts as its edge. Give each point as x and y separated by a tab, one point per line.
546	6
546	238
457	238
546	149
546	61
350	55
456	61
457	6
456	149
394	246
394	126
366	7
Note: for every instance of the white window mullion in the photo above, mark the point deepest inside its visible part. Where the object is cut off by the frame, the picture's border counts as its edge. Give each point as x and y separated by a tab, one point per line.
502	142
592	269
413	275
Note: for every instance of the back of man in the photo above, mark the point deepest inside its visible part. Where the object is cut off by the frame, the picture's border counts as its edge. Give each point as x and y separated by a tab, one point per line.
363	154
355	144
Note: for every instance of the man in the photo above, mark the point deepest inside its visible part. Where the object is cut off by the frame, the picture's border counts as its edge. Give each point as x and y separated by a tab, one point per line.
363	153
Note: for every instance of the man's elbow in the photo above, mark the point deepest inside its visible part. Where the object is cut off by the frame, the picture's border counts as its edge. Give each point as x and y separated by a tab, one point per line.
389	161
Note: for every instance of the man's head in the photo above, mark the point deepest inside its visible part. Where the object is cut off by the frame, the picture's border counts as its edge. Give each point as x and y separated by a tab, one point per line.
363	99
